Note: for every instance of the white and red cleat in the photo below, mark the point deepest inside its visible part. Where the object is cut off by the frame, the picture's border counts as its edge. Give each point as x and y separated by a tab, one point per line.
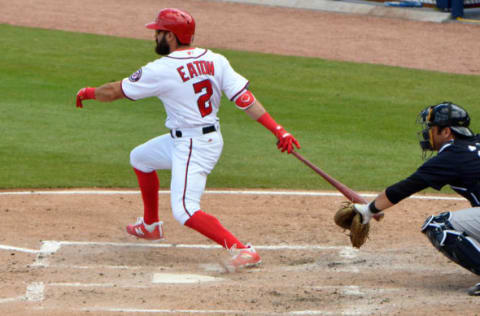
145	231
242	258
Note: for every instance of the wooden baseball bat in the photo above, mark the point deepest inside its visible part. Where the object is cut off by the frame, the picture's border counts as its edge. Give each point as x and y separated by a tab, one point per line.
346	191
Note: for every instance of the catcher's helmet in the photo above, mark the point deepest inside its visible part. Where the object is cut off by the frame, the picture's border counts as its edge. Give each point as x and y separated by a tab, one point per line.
177	21
445	114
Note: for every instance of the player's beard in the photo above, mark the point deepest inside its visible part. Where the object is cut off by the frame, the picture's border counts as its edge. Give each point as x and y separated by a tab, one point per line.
162	47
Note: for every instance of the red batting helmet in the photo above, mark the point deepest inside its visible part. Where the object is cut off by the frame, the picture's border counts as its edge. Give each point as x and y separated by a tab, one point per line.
177	21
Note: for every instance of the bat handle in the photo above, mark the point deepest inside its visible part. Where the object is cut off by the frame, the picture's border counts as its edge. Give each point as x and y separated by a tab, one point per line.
378	217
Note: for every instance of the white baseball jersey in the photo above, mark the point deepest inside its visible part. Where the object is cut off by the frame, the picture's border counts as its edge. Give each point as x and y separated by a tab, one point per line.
189	83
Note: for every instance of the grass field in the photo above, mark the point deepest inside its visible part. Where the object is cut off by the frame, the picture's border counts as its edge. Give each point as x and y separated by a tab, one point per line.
356	121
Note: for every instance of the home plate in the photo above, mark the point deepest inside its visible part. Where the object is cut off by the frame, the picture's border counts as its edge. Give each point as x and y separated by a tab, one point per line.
182	278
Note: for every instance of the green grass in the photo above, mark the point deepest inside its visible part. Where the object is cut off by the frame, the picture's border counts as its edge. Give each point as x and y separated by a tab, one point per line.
355	121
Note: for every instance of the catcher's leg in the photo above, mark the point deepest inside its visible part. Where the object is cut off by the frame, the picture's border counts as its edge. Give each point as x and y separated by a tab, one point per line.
474	290
468	221
454	244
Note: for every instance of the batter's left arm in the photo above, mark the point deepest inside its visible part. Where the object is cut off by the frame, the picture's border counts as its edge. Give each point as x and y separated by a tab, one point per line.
256	110
253	108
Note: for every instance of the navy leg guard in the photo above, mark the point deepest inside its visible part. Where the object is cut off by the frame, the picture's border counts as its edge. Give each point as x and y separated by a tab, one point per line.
474	290
455	245
442	218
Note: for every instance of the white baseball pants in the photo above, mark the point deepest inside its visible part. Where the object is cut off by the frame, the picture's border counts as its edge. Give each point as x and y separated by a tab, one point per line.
190	158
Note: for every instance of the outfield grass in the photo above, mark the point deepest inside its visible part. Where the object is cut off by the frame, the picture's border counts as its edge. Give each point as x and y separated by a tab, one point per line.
355	121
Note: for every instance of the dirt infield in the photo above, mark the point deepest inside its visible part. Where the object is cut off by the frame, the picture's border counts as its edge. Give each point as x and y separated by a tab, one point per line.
68	254
74	258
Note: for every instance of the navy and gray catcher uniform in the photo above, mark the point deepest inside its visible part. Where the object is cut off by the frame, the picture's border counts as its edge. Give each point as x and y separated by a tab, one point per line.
456	234
457	164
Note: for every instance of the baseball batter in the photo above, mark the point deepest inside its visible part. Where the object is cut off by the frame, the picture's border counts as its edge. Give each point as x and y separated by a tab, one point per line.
189	81
456	234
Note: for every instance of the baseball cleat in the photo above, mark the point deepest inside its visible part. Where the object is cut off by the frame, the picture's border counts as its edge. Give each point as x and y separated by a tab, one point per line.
474	290
145	231
242	258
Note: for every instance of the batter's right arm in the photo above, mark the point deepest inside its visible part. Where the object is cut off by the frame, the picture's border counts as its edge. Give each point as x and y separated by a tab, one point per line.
106	93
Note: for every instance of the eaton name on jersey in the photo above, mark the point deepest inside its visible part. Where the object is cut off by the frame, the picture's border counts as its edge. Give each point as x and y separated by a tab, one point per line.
195	69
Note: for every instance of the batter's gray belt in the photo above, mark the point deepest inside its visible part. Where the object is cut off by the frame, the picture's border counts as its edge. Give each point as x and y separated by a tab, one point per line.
192	132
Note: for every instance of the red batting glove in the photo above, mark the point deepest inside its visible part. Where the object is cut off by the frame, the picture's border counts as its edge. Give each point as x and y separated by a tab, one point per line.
85	94
285	140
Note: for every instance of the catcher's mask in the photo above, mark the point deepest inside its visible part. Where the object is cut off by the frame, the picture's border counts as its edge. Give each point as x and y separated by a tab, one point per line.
445	114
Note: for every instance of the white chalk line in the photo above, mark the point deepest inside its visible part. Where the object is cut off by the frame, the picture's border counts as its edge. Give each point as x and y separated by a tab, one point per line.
96	267
100	285
359	310
12	299
174	311
233	192
34	293
348	250
51	246
18	249
46	248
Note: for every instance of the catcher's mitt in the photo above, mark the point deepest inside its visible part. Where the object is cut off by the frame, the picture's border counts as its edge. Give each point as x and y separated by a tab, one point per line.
347	218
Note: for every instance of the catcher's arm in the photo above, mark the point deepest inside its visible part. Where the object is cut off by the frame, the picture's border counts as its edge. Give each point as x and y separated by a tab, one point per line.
382	202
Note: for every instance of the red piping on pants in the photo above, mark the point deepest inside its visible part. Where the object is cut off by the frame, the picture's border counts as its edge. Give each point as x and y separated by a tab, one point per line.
186	177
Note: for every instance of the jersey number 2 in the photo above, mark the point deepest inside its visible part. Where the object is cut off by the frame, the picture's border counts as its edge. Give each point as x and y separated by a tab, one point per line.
204	105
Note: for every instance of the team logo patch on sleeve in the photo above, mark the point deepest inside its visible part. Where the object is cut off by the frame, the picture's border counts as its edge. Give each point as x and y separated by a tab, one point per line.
136	75
245	100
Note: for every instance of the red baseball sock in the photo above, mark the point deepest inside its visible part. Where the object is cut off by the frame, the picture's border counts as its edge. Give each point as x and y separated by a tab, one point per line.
210	227
149	186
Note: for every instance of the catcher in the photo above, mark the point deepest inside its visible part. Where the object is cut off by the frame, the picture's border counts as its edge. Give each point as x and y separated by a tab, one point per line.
456	234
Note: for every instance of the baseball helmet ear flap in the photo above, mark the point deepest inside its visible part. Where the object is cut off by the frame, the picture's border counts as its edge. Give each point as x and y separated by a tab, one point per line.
177	21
